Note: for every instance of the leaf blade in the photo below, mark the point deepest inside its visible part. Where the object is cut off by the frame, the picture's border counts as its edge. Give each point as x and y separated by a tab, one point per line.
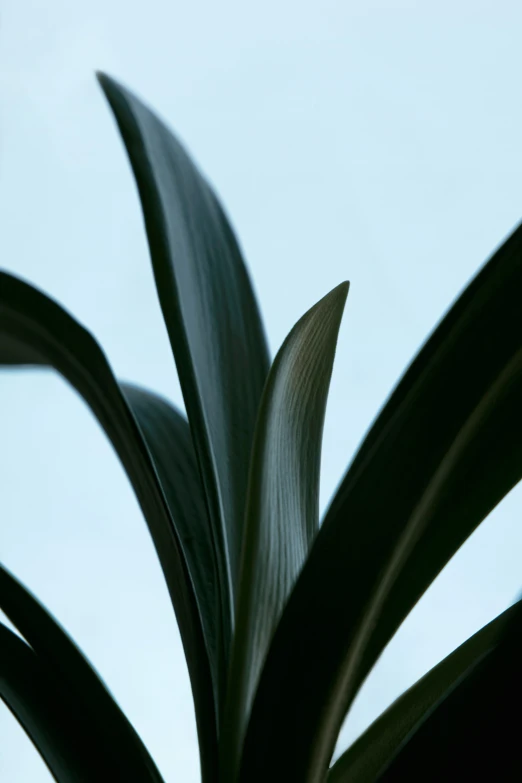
167	435
62	664
282	513
69	746
453	424
372	752
472	733
34	330
211	316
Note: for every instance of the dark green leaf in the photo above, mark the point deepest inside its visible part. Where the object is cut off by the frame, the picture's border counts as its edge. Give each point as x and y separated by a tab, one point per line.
211	316
444	451
373	750
167	435
282	512
89	719
474	733
34	330
68	742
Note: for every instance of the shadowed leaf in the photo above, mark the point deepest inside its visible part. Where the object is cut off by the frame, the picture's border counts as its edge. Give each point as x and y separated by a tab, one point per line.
34	330
167	435
373	750
444	451
86	724
474	733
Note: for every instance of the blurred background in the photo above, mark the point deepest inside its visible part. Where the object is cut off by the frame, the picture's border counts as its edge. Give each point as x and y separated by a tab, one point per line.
372	141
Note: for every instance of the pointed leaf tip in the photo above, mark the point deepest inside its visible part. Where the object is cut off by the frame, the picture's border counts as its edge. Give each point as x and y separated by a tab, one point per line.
282	511
213	321
339	293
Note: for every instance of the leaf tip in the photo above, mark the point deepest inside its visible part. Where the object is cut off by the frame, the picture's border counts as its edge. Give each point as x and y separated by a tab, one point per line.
102	78
343	288
110	86
338	295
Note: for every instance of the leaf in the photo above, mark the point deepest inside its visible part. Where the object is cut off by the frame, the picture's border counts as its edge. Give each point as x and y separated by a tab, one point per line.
211	316
34	330
474	733
38	704
443	452
372	751
60	700
282	512
167	435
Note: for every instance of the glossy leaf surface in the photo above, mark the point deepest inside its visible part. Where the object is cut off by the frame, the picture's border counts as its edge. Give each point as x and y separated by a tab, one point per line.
211	316
282	514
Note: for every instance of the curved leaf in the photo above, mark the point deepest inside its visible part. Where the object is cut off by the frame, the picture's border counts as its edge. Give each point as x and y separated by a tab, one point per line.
282	513
374	750
439	457
474	733
34	330
167	435
69	744
211	316
58	652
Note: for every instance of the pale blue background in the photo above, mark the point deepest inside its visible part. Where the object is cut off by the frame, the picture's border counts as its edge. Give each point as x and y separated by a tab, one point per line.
379	142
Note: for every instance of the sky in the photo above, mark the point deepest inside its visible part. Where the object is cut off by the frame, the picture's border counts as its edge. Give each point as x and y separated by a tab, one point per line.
377	142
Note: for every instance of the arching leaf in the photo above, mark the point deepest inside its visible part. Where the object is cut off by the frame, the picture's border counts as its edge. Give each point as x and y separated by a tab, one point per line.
68	741
34	330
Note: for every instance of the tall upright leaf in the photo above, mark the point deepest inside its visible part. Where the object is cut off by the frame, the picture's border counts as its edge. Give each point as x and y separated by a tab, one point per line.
282	513
211	316
34	330
443	452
